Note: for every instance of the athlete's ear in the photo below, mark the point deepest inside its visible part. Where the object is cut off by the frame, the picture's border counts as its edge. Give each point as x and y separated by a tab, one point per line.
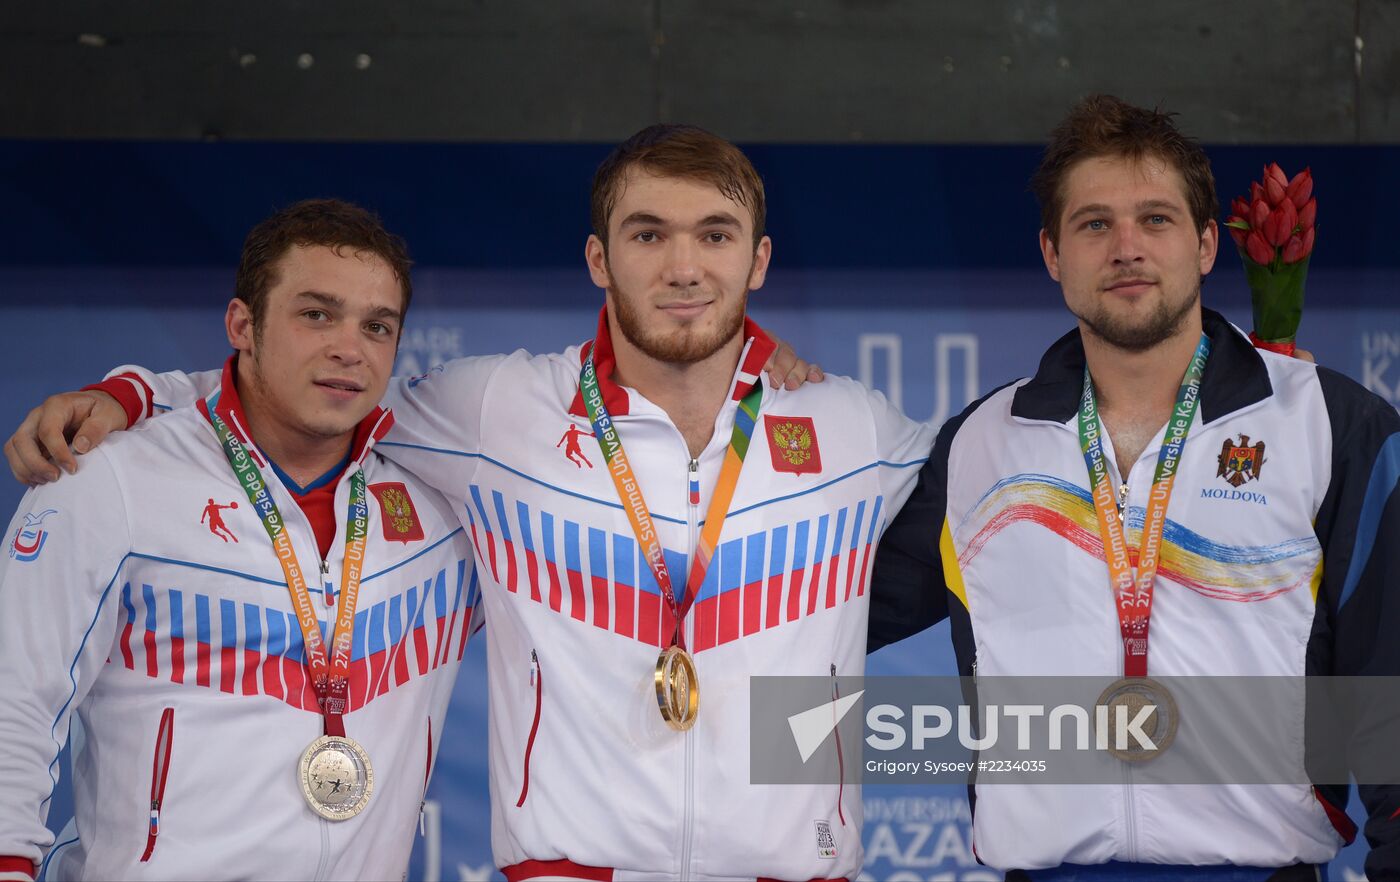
238	323
1210	241
1050	254
758	272
596	255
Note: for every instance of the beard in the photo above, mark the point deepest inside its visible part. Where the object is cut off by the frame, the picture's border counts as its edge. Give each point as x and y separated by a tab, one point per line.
1141	334
310	426
684	345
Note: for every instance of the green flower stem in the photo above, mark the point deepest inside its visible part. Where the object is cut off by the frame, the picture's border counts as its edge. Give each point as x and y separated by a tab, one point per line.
1276	294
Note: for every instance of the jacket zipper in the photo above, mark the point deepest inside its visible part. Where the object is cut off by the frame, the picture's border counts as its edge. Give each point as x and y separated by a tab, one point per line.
160	771
537	681
324	863
427	776
688	809
840	758
1129	817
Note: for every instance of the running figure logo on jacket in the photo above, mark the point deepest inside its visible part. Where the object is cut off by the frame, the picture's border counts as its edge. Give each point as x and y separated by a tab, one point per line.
573	451
216	520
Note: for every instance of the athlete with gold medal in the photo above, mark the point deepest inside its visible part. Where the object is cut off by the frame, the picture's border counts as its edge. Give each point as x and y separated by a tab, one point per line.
677	683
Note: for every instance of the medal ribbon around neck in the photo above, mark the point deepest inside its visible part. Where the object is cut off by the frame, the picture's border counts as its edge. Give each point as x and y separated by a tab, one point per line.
1133	593
330	677
630	492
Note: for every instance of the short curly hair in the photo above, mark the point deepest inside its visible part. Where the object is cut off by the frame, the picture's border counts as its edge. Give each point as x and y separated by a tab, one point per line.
333	223
1102	125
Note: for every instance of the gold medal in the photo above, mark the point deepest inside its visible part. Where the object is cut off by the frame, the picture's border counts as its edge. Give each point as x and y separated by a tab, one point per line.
336	777
1124	700
677	688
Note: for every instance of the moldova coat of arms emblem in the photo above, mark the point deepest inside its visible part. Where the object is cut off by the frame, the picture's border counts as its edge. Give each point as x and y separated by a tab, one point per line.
1240	462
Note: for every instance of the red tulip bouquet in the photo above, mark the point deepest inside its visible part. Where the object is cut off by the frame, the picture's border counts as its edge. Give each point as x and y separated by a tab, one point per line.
1274	231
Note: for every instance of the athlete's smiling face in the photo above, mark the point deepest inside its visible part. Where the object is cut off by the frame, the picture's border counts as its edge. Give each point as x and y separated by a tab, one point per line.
1129	258
678	266
320	357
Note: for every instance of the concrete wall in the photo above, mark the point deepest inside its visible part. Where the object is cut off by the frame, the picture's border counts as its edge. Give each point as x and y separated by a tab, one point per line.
996	71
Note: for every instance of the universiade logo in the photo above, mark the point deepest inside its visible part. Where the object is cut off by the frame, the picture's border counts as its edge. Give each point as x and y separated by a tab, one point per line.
1119	728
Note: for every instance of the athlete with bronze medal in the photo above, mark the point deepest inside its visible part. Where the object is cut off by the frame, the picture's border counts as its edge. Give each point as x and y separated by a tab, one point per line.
1126	697
677	686
334	774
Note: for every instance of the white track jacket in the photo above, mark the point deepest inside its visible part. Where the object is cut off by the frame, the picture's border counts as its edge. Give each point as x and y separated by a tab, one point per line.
141	603
1277	564
587	781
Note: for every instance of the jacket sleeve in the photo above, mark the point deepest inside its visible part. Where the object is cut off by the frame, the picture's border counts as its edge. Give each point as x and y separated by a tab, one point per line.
143	393
907	590
1358	525
438	418
58	617
903	446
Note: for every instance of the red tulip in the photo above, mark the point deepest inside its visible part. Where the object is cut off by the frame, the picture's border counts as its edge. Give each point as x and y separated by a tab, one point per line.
1275	184
1275	228
1298	247
1258	214
1258	250
1293	250
1307	215
1236	233
1300	188
1280	224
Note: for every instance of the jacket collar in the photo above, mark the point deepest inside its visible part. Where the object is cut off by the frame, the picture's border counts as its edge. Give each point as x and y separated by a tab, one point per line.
1235	376
229	406
758	347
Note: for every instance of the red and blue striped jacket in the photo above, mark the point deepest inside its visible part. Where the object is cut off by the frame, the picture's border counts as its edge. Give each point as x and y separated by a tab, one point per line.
586	779
143	607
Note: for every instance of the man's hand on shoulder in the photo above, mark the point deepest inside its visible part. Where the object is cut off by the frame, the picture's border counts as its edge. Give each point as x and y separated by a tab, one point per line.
40	446
787	370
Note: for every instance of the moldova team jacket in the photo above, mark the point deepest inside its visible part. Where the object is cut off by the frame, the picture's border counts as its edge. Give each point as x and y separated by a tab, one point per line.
1279	562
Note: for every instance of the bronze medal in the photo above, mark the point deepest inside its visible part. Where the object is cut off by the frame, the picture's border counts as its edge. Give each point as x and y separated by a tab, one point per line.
336	777
1123	700
677	688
